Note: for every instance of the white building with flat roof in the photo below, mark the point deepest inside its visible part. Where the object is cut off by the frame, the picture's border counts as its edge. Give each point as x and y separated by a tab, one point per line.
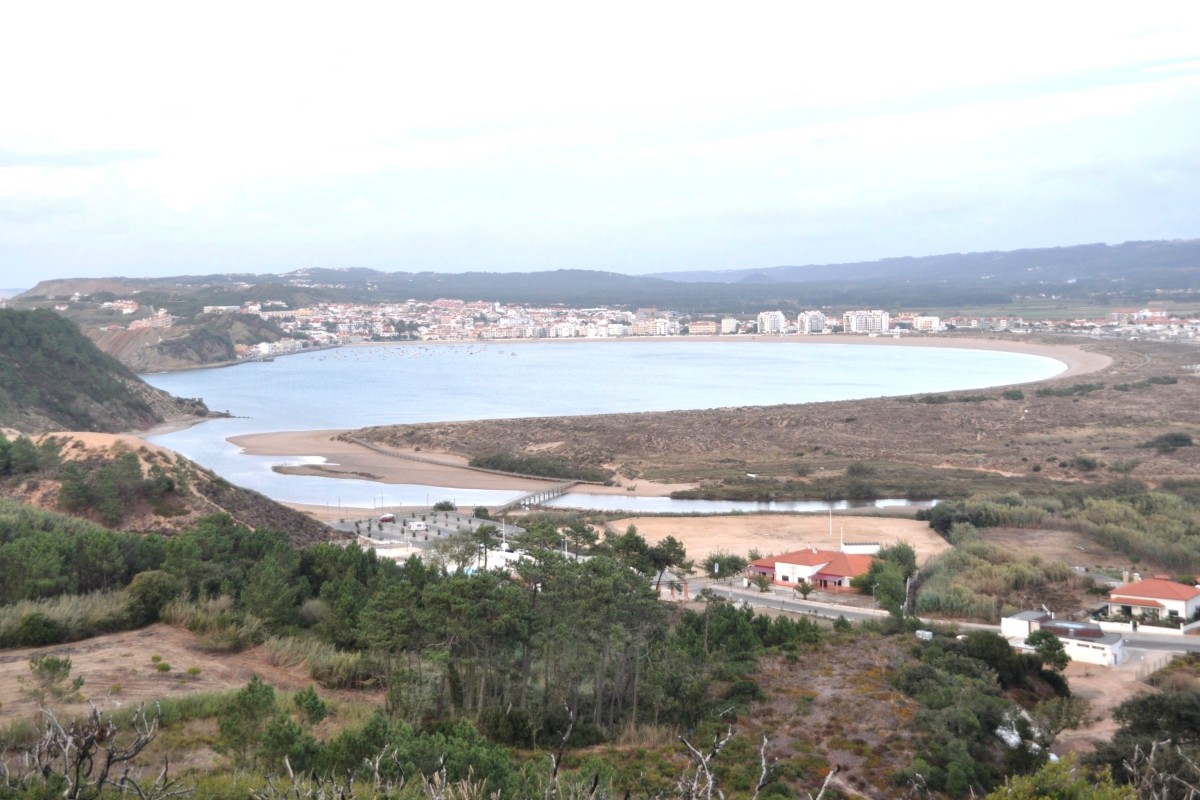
866	321
810	322
772	322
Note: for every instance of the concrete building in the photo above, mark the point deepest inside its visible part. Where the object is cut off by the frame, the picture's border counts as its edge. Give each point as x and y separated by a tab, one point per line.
772	322
866	321
729	325
810	322
1082	641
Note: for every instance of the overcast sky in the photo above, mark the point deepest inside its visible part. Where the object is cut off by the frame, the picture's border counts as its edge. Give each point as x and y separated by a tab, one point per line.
167	138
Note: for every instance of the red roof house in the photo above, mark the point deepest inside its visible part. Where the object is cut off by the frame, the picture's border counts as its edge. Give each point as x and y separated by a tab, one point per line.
825	569
1155	597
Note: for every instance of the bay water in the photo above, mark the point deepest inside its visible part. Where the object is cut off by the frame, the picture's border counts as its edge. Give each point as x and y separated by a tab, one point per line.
358	386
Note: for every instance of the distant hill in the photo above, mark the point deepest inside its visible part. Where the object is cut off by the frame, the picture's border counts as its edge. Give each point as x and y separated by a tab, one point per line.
1129	273
1162	265
52	377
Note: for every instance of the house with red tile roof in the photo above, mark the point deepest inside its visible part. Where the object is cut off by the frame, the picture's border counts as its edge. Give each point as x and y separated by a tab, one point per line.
1155	598
824	569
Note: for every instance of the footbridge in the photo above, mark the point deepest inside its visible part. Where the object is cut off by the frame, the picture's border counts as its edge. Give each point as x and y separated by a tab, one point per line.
538	497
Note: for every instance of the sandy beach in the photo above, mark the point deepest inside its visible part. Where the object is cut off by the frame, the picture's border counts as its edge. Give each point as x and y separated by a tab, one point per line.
349	460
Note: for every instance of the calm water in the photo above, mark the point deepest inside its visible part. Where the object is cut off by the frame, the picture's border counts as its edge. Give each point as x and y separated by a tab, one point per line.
407	383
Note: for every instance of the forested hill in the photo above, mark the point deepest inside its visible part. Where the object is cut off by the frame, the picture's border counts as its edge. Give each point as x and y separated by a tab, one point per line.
52	377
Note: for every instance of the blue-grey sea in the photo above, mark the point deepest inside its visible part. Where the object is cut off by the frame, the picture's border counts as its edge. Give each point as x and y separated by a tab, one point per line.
352	387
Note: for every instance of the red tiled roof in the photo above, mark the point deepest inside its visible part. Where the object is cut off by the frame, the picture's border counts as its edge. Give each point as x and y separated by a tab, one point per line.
847	565
1156	588
807	557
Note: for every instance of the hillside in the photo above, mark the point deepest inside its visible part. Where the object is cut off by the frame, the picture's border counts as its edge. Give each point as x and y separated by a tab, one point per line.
129	484
1133	272
52	377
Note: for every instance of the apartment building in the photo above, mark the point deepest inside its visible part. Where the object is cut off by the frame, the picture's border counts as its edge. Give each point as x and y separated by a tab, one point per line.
810	322
772	322
866	321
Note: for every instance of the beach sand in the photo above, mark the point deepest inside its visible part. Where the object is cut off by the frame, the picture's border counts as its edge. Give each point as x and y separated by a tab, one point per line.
348	460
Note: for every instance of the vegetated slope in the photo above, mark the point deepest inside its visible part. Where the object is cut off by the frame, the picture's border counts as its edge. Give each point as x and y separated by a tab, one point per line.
127	483
1129	272
1095	427
52	377
1166	264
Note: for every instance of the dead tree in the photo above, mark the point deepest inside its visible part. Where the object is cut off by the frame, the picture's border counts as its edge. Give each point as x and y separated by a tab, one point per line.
91	754
556	756
698	781
1154	781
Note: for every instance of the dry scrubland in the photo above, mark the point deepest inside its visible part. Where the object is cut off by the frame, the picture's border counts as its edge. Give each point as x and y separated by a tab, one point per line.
1033	439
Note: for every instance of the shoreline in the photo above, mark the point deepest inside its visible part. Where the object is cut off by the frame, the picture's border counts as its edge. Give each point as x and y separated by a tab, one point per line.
1076	360
351	461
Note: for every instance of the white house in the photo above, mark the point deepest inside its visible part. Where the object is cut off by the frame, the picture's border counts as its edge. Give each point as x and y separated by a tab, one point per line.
824	569
1155	597
1083	641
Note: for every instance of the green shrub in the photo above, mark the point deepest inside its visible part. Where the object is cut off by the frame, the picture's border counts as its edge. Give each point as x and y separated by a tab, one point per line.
1069	391
66	618
1169	441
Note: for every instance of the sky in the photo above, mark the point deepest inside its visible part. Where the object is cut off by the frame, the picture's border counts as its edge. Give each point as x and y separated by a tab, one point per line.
154	139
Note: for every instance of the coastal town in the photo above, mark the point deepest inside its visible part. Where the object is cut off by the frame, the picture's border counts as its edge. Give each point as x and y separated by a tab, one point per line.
331	324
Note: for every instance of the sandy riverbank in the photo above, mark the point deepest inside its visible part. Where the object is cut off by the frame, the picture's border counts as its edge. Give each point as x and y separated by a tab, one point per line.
348	460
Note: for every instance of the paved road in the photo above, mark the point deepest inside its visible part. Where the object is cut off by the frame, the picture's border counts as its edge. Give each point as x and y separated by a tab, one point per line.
784	600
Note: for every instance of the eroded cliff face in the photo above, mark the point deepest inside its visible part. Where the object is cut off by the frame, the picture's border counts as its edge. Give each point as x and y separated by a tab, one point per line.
150	350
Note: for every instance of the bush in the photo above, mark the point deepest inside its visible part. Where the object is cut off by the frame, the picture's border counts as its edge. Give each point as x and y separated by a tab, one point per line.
1169	441
543	466
1069	391
37	630
66	618
859	469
